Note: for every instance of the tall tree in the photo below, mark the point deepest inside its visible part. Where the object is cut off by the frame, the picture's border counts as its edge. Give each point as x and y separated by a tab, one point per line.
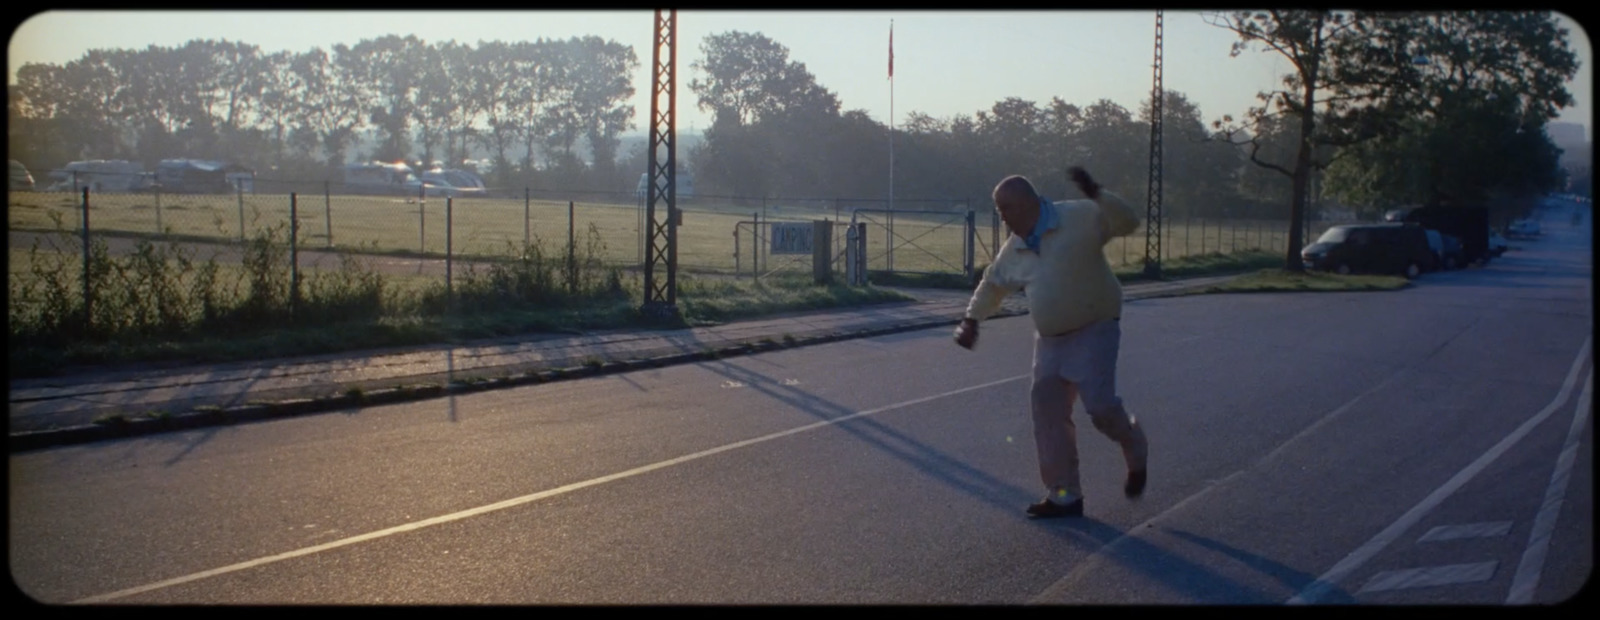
770	116
1318	46
747	75
497	77
1506	68
333	102
279	103
435	95
602	85
1357	76
387	72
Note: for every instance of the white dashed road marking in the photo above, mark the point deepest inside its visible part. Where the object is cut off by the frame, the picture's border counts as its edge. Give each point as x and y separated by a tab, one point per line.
1330	580
1429	576
1467	530
1526	581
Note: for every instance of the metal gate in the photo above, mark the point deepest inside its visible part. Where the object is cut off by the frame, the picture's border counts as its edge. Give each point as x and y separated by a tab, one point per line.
754	253
918	242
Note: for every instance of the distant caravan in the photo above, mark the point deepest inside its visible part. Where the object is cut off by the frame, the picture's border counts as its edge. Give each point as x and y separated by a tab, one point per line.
98	175
685	186
398	179
389	179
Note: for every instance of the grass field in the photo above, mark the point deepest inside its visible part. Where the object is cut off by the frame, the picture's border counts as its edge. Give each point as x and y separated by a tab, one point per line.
160	301
1279	280
712	239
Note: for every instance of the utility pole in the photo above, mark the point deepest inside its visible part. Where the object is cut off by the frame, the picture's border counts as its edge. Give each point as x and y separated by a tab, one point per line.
661	239
1152	228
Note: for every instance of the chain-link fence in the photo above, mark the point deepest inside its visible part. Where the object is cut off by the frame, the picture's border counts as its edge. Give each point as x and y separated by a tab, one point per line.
429	235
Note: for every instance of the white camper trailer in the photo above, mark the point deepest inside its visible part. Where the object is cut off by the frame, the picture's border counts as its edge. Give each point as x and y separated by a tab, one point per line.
381	178
99	175
685	185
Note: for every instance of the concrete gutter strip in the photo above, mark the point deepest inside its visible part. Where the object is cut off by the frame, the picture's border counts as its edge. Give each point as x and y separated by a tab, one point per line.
120	426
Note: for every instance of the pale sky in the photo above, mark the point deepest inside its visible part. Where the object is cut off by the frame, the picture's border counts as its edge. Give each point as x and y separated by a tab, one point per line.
946	62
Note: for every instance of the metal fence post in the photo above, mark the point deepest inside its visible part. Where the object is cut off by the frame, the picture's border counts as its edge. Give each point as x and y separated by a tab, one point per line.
888	237
88	315
971	242
422	227
241	213
449	252
294	255
994	233
850	258
736	268
755	245
327	208
527	217
1188	224
159	227
572	250
861	253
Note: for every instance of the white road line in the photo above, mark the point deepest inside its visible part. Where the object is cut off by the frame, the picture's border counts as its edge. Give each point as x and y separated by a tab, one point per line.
518	501
1329	580
1086	565
1526	581
1428	576
1467	530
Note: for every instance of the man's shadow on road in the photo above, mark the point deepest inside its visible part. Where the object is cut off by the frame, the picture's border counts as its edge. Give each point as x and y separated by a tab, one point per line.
1197	583
1194	583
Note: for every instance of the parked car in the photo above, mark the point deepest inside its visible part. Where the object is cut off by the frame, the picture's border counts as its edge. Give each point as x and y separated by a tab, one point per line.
1390	248
1455	253
1437	247
1468	224
381	178
1497	244
450	186
1523	229
21	179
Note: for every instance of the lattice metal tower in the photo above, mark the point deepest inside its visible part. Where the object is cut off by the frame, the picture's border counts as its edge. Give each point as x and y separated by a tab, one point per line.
1152	228
661	239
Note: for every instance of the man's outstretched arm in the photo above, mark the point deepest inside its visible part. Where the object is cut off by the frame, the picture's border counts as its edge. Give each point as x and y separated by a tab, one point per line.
996	285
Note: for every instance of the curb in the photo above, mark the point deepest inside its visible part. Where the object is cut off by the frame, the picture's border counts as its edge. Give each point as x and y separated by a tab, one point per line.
123	427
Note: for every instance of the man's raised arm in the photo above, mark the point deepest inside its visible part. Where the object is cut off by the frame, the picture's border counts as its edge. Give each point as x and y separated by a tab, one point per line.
1116	217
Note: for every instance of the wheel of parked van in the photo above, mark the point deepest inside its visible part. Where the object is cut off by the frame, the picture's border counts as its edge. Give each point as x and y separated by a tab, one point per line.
1342	269
1412	270
1450	263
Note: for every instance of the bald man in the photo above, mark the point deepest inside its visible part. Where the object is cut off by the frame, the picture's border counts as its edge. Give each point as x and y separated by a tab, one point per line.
1056	251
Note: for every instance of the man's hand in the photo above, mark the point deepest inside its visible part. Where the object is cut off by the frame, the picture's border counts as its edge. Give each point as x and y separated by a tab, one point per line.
1084	182
967	333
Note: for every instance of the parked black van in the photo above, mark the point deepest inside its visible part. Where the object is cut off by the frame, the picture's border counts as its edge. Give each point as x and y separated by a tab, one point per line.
1392	248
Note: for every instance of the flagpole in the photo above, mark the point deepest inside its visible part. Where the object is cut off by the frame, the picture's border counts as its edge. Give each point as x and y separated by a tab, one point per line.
890	231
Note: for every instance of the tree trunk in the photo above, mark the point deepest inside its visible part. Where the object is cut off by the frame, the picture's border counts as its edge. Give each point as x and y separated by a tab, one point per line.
1302	160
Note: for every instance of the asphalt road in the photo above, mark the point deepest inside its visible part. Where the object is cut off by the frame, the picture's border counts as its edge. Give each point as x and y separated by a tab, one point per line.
1424	446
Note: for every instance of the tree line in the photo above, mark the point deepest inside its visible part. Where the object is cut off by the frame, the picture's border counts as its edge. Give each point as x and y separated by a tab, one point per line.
531	107
1377	110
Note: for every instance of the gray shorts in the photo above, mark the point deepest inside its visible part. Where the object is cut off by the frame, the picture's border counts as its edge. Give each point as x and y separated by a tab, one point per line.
1087	357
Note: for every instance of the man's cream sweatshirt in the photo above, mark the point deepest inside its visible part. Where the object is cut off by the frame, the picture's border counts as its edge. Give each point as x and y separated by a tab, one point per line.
1069	283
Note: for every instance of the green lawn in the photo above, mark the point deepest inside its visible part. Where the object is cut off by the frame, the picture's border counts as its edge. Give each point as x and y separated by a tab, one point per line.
1281	280
714	237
